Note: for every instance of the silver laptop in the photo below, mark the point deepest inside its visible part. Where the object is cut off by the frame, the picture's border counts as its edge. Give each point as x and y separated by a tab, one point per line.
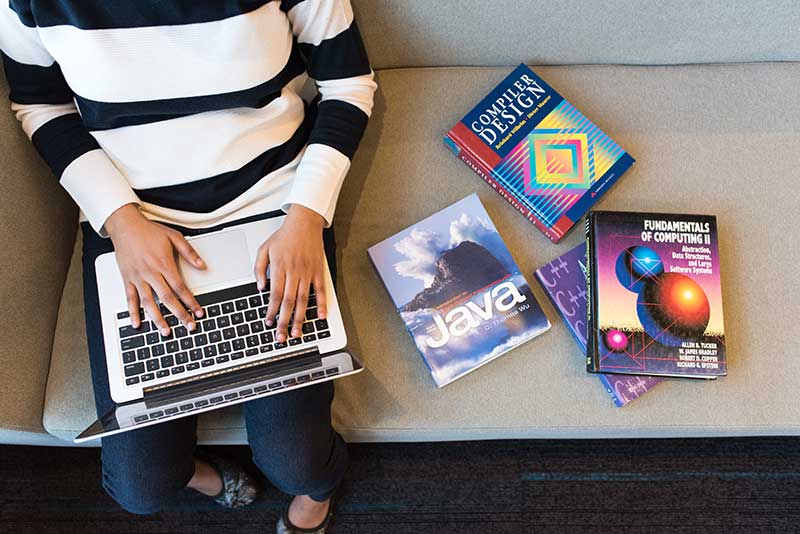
232	357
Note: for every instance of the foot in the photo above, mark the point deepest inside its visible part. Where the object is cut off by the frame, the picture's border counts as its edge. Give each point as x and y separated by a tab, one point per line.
206	480
306	515
234	488
305	512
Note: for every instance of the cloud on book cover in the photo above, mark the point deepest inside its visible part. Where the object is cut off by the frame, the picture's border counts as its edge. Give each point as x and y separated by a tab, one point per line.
423	248
448	371
465	352
466	228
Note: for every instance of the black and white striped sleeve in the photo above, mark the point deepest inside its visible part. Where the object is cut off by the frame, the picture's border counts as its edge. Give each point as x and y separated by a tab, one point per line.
43	103
336	60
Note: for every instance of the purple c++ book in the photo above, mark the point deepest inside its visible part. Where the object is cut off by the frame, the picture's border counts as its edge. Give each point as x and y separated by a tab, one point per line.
564	281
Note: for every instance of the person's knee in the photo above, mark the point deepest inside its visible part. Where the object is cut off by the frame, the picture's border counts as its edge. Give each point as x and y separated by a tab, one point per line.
142	491
303	468
134	499
293	479
293	442
145	484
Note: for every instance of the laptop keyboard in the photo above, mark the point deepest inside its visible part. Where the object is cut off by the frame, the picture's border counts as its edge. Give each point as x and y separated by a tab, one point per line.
231	329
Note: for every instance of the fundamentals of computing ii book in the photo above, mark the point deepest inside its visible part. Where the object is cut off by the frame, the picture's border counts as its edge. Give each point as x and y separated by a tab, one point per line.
655	297
458	290
538	152
564	281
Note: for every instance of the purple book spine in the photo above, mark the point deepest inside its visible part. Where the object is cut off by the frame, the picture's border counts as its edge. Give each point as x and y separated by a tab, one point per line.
564	282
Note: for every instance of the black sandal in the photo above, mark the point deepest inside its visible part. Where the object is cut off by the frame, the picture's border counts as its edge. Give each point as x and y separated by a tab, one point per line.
286	527
238	489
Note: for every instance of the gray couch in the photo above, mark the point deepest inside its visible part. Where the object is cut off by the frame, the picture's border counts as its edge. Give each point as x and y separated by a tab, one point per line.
705	99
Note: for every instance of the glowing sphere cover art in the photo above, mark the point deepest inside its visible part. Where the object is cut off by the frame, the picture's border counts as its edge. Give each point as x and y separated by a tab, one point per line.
655	295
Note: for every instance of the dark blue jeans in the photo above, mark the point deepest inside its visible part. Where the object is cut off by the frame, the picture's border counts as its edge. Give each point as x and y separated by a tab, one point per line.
290	434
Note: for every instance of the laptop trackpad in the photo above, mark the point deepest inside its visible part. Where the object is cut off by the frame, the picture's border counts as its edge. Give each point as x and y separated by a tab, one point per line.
226	257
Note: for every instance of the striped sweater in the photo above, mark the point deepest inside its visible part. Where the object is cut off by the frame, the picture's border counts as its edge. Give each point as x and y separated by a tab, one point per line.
189	108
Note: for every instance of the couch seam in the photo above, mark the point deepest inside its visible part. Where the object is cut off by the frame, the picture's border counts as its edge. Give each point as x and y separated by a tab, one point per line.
10	426
436	429
565	65
199	429
559	427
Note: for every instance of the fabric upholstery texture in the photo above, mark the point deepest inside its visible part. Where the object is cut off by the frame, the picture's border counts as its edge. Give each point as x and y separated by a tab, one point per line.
38	225
415	33
715	139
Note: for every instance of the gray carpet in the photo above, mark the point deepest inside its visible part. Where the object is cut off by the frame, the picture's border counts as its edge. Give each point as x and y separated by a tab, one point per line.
632	486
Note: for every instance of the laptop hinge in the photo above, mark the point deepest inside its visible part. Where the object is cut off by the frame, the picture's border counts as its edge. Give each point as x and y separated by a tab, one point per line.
285	363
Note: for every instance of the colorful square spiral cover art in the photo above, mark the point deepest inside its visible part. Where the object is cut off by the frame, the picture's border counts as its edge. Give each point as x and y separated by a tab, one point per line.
538	152
559	161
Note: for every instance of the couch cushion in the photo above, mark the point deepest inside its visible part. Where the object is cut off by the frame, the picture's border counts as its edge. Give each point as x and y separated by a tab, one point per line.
717	139
425	33
38	227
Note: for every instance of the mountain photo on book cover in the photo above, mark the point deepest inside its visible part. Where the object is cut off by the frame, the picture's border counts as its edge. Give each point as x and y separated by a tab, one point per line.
458	290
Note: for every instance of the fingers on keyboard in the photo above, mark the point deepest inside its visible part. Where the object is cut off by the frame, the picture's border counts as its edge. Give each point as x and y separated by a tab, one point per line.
234	329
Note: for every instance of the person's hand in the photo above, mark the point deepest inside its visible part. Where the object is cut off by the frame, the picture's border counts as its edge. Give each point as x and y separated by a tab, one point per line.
296	259
146	257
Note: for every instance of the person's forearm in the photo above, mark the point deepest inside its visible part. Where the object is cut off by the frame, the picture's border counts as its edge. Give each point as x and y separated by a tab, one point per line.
337	62
83	169
297	214
122	218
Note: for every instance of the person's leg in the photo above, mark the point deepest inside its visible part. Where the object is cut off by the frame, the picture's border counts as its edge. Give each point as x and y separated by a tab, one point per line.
145	468
297	449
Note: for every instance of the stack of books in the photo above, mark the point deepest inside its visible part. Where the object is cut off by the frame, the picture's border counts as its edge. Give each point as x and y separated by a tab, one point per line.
641	296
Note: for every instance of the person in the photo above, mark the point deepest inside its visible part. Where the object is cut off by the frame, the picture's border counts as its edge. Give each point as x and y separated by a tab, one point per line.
167	118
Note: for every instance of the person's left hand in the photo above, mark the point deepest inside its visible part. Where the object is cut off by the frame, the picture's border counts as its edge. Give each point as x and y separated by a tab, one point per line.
295	255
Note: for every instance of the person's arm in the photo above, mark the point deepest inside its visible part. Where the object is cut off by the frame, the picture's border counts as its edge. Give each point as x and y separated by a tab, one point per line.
44	104
336	60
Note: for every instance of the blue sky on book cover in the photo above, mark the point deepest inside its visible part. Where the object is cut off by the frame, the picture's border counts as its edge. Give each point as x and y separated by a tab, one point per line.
564	282
458	290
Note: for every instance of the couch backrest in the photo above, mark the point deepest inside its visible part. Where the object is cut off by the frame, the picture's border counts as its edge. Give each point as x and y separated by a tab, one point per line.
412	33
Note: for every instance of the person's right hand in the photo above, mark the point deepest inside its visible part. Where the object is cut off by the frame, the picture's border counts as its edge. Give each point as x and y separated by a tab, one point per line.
145	253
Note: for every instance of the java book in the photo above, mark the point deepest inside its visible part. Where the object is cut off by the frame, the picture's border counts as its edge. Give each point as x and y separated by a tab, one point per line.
564	282
655	296
538	152
458	290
